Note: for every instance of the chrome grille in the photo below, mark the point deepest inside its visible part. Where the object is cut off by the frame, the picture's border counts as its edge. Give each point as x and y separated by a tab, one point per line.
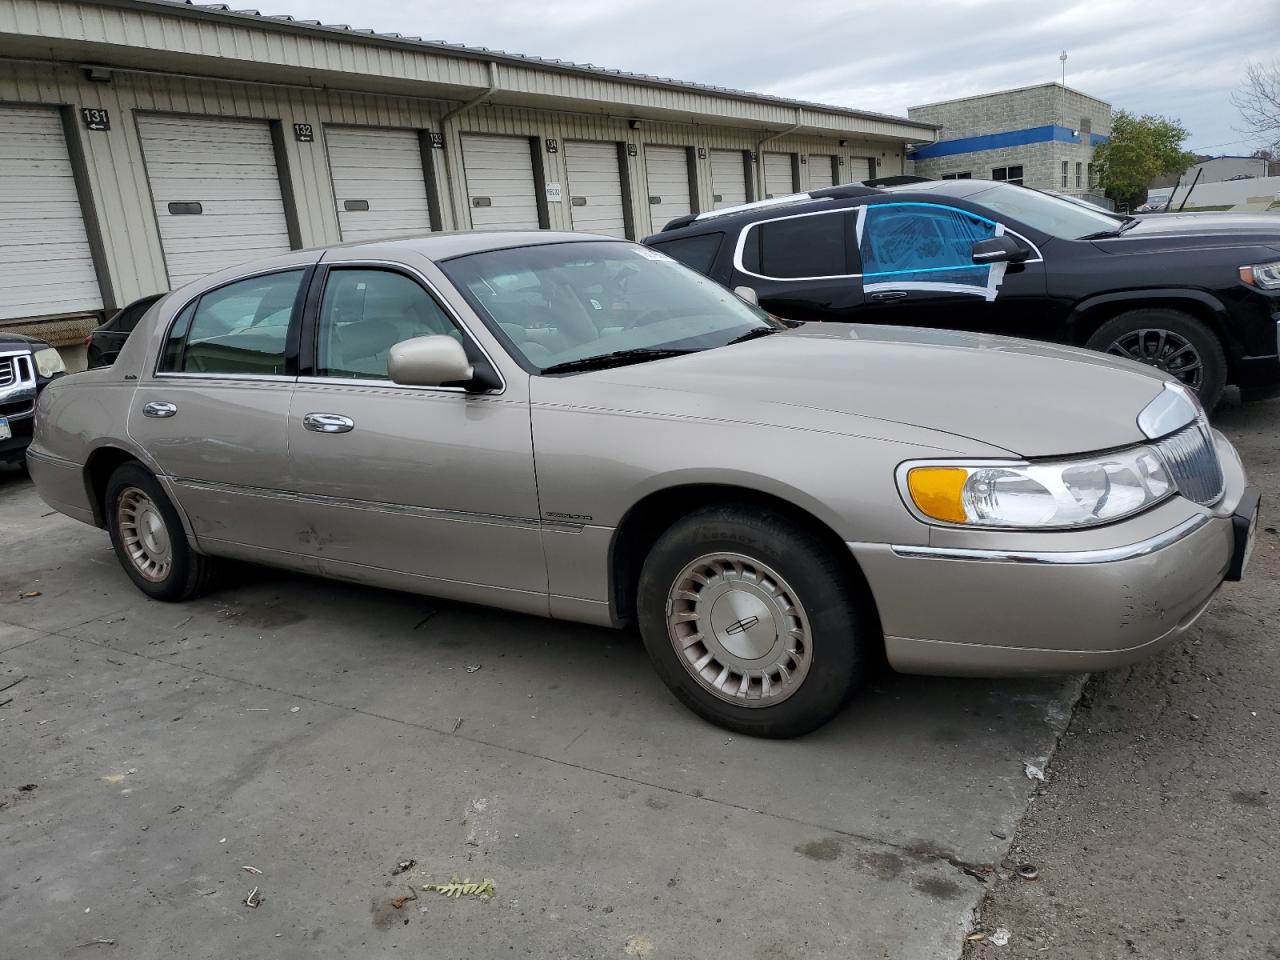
8	370
1193	462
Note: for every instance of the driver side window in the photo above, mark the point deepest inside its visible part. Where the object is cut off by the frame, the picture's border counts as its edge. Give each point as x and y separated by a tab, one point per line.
922	243
364	313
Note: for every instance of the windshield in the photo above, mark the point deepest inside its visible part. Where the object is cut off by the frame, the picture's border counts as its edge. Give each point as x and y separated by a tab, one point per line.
1053	215
565	303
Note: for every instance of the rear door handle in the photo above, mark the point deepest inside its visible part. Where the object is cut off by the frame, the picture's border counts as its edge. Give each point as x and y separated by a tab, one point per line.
159	409
889	295
328	423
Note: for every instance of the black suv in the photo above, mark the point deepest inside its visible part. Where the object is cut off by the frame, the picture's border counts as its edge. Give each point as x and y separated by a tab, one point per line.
26	366
1197	294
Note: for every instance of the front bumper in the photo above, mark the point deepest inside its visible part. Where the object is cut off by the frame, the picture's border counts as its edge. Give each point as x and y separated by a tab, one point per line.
1007	604
14	448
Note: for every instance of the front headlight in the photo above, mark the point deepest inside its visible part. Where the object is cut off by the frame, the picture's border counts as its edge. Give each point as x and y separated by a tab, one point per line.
1009	495
49	362
1264	275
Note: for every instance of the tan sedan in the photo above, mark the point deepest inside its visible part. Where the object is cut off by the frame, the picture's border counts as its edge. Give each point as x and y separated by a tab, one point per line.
582	428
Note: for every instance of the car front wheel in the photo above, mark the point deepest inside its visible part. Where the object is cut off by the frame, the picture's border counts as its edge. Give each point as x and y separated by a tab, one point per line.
1172	341
753	621
148	537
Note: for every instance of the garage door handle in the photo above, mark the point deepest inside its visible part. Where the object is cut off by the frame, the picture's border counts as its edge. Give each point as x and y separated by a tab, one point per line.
159	409
889	295
328	423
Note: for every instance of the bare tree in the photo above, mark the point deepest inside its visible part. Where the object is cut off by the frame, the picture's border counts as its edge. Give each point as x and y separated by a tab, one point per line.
1258	100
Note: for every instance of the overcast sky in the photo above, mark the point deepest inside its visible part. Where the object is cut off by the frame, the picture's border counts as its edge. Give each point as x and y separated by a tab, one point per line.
1181	58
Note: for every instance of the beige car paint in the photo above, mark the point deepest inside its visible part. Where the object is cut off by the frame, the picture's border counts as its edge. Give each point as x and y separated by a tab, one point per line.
512	497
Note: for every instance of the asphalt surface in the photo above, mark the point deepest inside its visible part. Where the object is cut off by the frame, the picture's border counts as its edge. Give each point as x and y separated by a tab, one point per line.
322	733
1157	834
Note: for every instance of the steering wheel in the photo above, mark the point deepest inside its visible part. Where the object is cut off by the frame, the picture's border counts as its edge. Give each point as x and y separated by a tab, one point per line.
656	315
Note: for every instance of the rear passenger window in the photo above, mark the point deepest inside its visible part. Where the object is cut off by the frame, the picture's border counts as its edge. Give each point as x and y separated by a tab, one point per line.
697	253
806	246
241	328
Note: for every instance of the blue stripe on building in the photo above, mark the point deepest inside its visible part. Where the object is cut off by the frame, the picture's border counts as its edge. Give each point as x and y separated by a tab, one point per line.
995	141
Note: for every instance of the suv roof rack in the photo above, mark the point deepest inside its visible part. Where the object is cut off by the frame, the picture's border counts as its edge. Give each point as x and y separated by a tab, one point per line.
846	191
896	181
678	222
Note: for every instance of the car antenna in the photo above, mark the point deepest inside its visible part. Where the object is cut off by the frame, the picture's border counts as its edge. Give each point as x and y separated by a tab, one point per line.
1189	189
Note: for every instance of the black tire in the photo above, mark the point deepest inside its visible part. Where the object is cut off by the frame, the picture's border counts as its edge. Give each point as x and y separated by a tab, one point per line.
841	623
1202	340
188	573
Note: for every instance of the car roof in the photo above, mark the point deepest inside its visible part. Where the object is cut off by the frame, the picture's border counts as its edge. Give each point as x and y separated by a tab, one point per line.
444	246
828	198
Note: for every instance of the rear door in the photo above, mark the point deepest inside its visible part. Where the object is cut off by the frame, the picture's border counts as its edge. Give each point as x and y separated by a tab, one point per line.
802	267
214	413
502	191
379	182
44	248
216	192
668	176
595	188
729	171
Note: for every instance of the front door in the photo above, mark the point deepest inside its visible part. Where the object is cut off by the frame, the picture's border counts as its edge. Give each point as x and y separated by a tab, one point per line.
214	415
433	483
918	270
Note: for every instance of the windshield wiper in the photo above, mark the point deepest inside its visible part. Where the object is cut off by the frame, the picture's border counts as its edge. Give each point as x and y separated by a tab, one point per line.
754	333
618	358
1128	224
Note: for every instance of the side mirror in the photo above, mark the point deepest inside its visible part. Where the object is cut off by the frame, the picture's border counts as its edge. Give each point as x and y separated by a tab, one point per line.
747	294
429	362
1003	249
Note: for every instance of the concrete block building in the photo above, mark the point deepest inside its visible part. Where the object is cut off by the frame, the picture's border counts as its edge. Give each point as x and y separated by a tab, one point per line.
1041	136
144	143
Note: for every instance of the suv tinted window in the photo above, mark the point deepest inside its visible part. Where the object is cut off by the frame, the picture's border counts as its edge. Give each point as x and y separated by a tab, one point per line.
364	313
922	242
805	246
698	253
239	328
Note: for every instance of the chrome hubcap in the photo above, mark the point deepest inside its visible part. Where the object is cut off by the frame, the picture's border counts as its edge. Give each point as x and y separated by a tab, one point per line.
739	629
144	534
1164	349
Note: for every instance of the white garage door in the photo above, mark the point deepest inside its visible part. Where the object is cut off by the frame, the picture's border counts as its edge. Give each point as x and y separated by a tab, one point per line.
778	179
378	182
44	249
500	185
595	188
820	174
667	169
857	170
216	191
728	179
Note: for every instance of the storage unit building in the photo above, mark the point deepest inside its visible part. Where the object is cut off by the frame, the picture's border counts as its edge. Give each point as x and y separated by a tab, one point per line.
857	169
379	182
146	143
596	200
45	259
822	170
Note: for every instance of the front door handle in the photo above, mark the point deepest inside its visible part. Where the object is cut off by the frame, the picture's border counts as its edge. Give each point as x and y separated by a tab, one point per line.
328	423
889	295
159	409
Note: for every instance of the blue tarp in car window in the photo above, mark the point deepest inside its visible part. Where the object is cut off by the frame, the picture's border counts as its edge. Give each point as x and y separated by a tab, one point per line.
922	242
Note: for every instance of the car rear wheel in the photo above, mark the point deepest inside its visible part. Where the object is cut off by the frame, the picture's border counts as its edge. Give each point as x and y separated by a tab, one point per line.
753	621
1174	342
149	540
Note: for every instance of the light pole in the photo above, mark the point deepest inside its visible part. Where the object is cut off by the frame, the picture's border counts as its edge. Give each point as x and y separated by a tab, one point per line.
1062	58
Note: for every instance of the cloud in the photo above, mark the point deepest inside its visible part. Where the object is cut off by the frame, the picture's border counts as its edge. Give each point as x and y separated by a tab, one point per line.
1181	58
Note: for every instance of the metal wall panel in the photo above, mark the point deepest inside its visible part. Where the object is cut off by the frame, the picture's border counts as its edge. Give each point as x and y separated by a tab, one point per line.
595	188
501	189
228	168
46	265
378	182
779	175
667	183
728	178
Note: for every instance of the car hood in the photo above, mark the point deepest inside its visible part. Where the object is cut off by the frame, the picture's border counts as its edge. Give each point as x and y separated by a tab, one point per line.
1165	231
11	340
1030	399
